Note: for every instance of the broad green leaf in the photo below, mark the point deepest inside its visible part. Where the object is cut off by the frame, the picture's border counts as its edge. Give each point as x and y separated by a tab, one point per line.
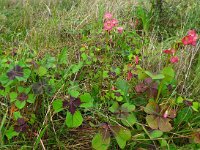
114	107
17	115
13	96
123	86
129	120
149	74
75	120
158	77
164	124
122	135
58	105
74	93
20	104
31	98
195	106
87	100
11	133
27	73
141	75
179	100
156	134
100	143
152	121
4	79
105	74
84	56
77	67
152	108
169	73
20	89
128	107
42	71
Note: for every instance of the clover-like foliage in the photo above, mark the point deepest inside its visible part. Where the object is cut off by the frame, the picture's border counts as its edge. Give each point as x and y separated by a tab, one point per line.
124	113
101	140
17	71
159	117
148	86
21	125
41	87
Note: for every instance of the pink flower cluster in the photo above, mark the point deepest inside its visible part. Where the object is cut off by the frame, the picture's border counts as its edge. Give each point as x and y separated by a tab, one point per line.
110	23
190	38
173	59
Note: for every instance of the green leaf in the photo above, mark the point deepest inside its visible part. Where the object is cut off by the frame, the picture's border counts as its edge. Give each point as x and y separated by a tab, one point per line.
87	100
129	120
17	115
41	71
149	74
84	56
4	79
58	105
20	89
13	96
11	133
164	124
20	104
169	73
31	98
62	57
76	68
195	106
152	121
105	74
122	135
100	143
123	86
32	119
156	134
75	120
152	108
114	107
158	77
179	100
128	107
27	73
73	93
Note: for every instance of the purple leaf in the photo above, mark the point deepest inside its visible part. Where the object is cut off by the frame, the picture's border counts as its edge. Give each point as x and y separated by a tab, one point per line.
22	97
21	125
16	71
73	104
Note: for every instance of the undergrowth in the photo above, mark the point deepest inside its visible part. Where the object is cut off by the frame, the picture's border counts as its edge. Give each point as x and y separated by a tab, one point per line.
99	74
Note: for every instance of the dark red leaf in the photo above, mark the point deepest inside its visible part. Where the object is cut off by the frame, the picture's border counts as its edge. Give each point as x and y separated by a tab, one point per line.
140	88
22	97
73	104
16	71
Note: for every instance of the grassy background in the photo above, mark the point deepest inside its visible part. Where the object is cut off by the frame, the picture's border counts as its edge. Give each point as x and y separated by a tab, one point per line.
46	26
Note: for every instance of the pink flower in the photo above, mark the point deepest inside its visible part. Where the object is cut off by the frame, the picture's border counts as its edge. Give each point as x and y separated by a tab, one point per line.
169	51
136	60
113	88
174	59
115	22
107	16
129	75
191	38
120	29
108	25
165	115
